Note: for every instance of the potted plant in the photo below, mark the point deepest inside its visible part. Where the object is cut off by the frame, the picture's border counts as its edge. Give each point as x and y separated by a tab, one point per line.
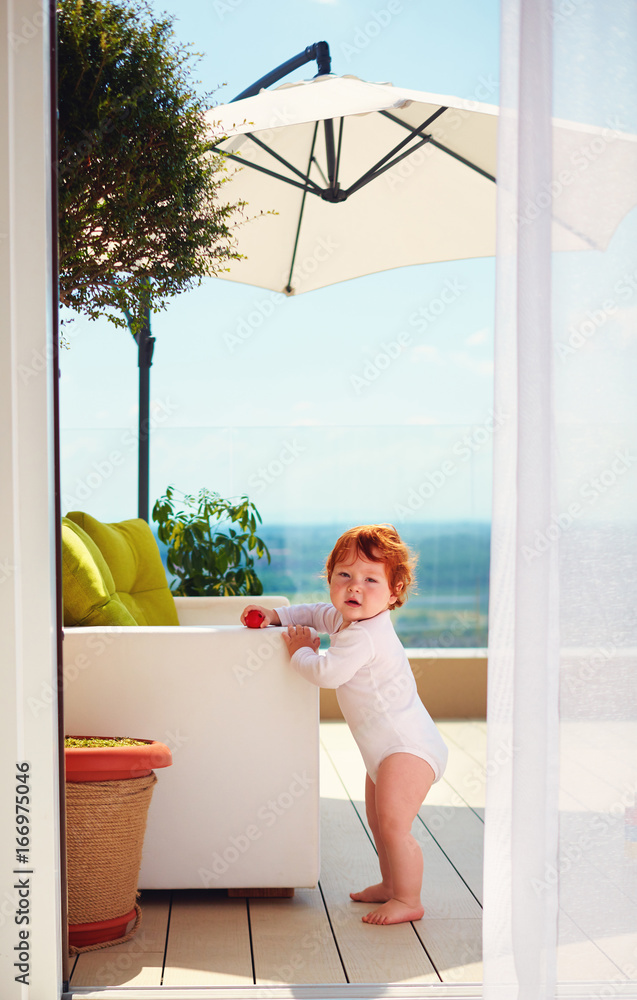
109	784
212	544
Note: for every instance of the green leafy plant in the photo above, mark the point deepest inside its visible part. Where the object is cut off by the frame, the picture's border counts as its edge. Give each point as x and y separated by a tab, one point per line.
206	560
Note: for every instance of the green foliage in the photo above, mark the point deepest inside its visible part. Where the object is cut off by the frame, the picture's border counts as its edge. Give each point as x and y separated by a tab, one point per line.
206	560
138	186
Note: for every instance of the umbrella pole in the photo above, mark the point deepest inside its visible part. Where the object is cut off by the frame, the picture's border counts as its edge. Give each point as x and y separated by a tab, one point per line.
145	347
319	51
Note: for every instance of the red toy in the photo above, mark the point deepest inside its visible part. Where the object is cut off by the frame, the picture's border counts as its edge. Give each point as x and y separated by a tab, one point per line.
254	618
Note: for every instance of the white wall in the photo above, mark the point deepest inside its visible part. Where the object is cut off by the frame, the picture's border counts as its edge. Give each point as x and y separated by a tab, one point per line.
28	711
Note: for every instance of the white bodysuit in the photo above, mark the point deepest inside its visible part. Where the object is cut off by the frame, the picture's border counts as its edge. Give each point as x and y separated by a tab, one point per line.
375	686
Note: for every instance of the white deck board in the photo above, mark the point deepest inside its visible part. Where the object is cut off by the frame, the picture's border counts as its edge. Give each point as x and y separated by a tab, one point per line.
138	961
209	941
455	947
292	941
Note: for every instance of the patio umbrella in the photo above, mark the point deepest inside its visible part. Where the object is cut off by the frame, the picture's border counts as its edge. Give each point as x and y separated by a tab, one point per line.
365	177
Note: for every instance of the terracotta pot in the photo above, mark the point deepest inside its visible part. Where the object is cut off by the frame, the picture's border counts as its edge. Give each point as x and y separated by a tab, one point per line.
108	792
114	763
99	931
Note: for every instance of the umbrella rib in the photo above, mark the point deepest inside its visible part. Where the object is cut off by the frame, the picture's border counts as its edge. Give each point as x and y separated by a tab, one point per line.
282	160
318	167
392	163
288	287
444	149
372	172
338	153
272	173
462	159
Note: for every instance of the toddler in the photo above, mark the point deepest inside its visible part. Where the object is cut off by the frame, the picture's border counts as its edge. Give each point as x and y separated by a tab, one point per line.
369	572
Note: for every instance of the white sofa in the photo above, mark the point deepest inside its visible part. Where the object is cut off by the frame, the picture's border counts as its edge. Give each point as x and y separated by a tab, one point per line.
239	807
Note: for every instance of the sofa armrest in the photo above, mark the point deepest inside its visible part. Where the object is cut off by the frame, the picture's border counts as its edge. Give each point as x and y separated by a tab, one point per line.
221	610
239	806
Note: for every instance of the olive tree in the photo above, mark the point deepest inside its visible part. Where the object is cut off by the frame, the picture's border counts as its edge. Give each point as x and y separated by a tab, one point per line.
140	215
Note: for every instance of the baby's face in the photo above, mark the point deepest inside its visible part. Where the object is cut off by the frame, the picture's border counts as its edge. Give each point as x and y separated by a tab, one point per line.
359	589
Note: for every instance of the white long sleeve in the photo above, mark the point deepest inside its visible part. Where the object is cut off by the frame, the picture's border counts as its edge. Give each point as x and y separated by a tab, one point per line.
374	683
350	650
322	617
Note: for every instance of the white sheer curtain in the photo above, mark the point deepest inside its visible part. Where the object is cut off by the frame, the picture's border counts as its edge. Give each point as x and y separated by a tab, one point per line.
561	822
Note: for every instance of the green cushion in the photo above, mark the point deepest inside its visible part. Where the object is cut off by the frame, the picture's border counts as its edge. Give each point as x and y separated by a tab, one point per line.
89	589
130	550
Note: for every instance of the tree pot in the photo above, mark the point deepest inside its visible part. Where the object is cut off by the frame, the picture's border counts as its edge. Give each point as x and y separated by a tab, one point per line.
108	792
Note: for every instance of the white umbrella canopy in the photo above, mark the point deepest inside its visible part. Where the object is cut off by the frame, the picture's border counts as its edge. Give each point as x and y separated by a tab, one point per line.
365	177
431	207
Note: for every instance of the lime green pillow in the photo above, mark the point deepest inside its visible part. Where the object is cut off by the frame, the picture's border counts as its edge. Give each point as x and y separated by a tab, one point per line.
87	582
130	550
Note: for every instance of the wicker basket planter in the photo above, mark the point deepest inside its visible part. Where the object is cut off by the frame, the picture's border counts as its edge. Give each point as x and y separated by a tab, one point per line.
108	792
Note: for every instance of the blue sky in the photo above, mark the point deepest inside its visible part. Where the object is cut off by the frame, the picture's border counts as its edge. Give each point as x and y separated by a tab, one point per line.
281	415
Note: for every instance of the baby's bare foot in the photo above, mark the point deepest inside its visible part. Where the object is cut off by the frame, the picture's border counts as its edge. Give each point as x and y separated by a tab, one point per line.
394	911
372	894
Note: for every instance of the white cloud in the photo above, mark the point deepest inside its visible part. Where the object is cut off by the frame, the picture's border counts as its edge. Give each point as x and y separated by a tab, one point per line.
478	338
427	352
465	360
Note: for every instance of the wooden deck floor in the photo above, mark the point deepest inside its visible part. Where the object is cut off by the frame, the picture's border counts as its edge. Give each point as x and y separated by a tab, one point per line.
203	938
200	938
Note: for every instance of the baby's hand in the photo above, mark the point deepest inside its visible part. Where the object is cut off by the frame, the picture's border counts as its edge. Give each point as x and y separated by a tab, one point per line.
270	616
298	636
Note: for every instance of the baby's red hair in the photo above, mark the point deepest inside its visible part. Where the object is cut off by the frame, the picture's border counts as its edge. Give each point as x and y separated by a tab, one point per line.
379	543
